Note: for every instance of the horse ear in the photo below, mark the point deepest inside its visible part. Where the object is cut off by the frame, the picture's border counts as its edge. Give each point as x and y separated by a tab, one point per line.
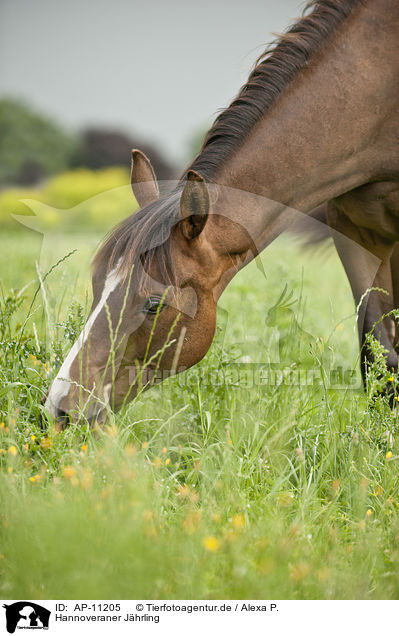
143	180
194	206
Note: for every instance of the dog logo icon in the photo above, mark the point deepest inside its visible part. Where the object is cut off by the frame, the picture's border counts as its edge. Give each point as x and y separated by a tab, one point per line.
26	615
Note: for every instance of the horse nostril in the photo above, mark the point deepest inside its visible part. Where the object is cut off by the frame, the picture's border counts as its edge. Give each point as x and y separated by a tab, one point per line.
61	417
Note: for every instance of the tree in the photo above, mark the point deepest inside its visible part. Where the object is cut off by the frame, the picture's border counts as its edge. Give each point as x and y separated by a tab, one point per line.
31	146
99	148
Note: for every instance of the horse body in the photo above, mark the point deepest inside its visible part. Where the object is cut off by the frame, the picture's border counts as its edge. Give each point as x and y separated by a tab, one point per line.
317	123
333	136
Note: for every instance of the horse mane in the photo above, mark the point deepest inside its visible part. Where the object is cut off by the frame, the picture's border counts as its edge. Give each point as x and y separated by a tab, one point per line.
273	71
144	234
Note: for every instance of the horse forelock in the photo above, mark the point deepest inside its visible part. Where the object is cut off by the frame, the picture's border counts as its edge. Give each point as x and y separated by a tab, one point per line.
142	238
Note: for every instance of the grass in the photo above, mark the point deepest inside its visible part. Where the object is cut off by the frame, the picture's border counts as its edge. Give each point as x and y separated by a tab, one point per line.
210	485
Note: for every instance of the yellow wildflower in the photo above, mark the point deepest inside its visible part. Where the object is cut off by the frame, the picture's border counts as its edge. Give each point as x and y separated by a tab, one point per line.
148	515
84	447
212	544
299	571
336	485
144	445
12	450
364	484
191	521
46	443
323	573
369	512
238	521
69	472
32	438
164	450
112	430
87	480
183	491
167	461
389	455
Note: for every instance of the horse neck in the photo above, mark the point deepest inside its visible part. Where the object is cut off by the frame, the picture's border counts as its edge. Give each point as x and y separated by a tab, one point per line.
331	130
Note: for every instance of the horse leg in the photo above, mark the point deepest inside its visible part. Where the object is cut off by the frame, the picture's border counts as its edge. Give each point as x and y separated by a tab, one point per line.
366	256
395	286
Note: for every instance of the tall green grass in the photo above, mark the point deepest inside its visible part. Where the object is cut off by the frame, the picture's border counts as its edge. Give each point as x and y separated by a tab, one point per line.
201	488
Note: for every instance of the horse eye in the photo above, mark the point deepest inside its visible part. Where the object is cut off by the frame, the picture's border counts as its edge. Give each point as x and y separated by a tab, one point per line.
152	305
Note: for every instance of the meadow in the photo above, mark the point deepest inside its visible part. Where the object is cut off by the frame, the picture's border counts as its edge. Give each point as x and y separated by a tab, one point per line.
227	481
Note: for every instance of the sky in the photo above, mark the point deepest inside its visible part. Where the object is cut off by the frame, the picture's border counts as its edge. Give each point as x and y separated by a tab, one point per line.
161	70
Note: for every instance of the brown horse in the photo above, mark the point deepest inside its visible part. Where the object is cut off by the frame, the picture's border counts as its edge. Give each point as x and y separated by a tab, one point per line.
316	124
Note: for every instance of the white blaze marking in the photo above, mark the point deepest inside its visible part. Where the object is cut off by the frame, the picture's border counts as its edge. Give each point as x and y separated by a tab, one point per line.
61	383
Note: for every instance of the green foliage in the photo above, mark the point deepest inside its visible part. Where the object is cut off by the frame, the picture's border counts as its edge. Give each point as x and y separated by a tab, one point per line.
31	146
73	201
